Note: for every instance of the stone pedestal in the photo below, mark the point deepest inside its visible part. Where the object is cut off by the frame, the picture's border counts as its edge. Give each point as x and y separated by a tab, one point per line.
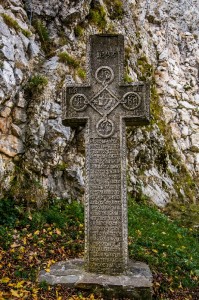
135	284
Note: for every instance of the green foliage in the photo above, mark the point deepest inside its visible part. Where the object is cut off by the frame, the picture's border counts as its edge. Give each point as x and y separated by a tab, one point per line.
64	57
127	78
81	73
79	30
37	238
8	212
12	23
145	69
169	249
97	16
115	9
26	33
36	84
43	33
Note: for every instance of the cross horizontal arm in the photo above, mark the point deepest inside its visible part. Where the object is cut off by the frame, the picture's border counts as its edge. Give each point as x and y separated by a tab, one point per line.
75	101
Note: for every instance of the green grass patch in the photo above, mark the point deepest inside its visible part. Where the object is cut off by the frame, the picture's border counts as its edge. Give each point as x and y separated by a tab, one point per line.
97	16
169	249
46	42
78	30
115	9
65	58
33	240
81	73
12	23
36	83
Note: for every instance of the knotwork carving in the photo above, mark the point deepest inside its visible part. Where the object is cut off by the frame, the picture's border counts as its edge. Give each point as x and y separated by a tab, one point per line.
79	102
131	101
105	128
104	75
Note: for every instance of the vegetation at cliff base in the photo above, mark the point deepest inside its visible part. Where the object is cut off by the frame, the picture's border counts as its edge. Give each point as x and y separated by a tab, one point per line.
31	240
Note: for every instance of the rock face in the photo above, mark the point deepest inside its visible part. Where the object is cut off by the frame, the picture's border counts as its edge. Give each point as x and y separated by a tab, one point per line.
42	47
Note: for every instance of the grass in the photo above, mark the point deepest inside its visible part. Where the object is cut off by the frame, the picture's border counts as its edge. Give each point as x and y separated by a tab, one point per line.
115	9
169	249
81	73
42	31
34	240
78	30
36	84
97	16
12	23
65	58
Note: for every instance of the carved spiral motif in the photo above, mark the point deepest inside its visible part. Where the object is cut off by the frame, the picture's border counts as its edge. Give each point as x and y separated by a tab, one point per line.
105	128
104	75
131	101
79	102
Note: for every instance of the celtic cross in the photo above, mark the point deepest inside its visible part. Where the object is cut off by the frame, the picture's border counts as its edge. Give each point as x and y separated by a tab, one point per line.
105	105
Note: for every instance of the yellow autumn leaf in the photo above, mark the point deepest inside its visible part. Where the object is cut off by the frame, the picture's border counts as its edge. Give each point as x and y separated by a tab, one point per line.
47	270
14	293
36	232
5	280
155	251
22	249
19	284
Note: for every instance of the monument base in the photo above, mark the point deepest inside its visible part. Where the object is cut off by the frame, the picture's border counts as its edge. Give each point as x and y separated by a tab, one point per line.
135	284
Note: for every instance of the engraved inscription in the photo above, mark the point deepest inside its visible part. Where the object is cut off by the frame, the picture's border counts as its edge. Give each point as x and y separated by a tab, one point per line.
105	203
106	54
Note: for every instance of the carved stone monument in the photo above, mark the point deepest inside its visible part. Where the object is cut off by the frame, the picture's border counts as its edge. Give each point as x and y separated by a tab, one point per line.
105	105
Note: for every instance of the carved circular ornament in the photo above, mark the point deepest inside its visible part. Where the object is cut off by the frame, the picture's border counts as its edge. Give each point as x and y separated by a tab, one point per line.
105	128
79	102
104	75
131	101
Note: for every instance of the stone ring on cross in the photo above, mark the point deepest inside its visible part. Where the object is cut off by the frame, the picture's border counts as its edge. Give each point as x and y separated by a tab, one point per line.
104	75
79	102
105	128
131	101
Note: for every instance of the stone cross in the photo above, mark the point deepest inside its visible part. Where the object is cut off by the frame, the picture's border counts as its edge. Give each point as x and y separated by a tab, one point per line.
105	105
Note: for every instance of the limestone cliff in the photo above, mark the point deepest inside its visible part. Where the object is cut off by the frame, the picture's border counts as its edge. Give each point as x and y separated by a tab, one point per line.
43	47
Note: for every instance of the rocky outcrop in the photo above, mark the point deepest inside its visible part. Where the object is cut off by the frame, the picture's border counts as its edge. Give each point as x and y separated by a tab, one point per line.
161	42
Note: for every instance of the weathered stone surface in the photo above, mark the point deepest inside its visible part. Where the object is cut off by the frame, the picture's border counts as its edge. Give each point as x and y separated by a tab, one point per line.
105	105
195	141
11	145
135	283
169	44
